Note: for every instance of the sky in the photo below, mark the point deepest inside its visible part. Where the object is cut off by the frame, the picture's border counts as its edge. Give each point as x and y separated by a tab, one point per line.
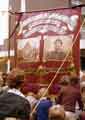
3	20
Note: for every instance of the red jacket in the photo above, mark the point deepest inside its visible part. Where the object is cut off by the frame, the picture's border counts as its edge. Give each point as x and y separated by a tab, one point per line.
69	96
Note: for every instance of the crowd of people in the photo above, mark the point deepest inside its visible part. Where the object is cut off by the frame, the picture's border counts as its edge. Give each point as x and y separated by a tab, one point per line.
68	104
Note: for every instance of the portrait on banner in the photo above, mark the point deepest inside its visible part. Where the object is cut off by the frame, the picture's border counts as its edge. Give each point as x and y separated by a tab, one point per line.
28	49
57	47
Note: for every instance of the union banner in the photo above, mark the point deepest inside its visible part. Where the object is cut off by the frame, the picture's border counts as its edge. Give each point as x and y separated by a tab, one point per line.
46	41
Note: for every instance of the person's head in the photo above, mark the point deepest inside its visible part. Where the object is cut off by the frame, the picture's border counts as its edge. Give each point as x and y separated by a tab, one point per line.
4	77
65	80
83	89
43	92
27	46
57	112
58	44
74	80
15	79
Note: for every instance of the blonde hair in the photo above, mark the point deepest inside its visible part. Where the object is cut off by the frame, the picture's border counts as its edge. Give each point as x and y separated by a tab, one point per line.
57	112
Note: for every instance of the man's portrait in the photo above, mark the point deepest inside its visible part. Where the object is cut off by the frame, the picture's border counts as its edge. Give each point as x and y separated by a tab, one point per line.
28	49
56	48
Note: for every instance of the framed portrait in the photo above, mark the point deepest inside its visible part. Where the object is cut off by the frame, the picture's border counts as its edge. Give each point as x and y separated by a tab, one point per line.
28	49
57	47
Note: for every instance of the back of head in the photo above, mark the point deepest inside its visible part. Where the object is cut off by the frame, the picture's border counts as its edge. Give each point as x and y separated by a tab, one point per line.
74	80
4	77
56	112
15	78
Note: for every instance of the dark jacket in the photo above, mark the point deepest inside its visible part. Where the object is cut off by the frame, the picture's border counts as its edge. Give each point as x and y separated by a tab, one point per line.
68	97
12	105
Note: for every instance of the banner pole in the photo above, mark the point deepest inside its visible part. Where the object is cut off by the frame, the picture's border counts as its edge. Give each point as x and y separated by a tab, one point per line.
8	60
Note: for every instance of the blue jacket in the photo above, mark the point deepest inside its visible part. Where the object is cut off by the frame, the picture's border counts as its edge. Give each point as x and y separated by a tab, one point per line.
42	109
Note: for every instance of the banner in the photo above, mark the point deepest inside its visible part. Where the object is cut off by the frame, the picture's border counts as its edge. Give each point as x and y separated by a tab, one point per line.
45	40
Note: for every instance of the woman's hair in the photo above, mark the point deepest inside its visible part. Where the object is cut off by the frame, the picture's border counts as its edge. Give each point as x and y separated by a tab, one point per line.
15	78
